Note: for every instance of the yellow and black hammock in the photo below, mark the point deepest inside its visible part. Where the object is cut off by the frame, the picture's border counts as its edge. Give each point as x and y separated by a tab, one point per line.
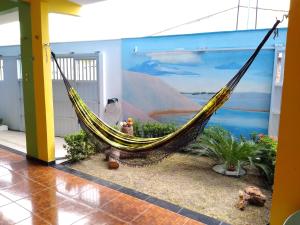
151	150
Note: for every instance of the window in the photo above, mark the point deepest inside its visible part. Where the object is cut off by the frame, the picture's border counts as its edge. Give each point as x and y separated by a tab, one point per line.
1	70
86	69
66	65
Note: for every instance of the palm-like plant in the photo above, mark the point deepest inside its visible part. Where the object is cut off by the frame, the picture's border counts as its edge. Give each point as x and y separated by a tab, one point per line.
224	148
266	156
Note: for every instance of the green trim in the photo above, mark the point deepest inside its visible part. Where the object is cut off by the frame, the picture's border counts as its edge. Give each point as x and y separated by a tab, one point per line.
28	82
7	6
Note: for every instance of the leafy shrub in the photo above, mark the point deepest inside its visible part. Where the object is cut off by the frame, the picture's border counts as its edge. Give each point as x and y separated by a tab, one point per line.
79	146
221	146
152	129
265	158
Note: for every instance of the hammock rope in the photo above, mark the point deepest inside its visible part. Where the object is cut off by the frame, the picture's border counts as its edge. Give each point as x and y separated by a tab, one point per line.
152	150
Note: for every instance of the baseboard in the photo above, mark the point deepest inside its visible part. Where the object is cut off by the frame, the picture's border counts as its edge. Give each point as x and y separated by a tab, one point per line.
39	161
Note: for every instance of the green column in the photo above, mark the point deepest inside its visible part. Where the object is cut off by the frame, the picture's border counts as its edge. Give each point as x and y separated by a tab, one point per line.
28	79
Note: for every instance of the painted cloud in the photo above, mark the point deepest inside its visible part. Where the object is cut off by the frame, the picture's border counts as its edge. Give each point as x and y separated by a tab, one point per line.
229	66
183	58
159	69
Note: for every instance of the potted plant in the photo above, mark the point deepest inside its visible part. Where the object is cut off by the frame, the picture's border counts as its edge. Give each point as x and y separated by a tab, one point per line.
229	153
2	126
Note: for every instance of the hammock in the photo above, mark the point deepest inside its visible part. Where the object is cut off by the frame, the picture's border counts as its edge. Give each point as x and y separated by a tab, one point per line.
152	150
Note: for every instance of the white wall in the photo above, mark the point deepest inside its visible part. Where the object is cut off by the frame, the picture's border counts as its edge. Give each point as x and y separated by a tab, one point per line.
111	77
111	52
10	94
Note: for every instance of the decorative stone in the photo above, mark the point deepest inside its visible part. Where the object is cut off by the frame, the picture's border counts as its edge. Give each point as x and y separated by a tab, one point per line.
113	159
251	195
256	197
113	165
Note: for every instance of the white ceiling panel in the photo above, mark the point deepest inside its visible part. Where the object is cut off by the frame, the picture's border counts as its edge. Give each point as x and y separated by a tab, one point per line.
85	2
9	17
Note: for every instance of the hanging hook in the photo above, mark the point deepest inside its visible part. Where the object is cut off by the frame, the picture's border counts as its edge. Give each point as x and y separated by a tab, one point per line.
285	16
46	46
276	33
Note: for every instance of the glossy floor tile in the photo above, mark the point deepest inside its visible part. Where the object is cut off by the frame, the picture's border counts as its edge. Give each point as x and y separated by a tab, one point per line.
43	200
13	213
34	194
126	207
11	158
10	179
100	218
4	201
22	190
34	220
97	197
65	213
4	171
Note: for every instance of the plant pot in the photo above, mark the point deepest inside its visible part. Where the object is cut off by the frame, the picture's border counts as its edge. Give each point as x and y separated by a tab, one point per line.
127	130
3	127
221	169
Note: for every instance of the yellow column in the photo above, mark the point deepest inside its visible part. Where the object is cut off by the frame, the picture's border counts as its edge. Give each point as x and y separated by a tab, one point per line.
42	81
286	196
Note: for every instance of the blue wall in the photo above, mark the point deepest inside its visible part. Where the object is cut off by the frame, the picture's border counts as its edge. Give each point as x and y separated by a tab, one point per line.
163	77
150	80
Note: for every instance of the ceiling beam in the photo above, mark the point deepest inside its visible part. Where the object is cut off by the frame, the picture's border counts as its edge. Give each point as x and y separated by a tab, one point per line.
8	6
61	6
64	7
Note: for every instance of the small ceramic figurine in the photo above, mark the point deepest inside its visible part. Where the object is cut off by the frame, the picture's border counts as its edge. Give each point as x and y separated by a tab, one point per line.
113	154
127	127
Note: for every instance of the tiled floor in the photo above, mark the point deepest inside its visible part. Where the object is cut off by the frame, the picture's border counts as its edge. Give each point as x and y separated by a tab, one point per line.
34	194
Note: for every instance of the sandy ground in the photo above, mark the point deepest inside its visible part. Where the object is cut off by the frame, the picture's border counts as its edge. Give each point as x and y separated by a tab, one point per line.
187	181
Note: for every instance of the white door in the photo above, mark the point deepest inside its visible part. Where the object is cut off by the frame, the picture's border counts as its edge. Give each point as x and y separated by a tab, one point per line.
82	70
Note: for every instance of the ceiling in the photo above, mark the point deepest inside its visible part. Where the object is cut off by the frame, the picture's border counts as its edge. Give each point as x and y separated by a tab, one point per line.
13	16
85	2
8	17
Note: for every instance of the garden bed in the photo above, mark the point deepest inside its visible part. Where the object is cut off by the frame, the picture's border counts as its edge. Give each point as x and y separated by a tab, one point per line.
187	181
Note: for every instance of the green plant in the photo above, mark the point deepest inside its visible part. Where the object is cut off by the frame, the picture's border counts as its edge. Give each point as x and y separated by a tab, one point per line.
265	158
79	146
152	129
220	145
1	121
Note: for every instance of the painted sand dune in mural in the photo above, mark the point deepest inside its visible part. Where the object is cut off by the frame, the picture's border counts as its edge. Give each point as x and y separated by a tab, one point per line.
131	111
157	114
150	94
242	101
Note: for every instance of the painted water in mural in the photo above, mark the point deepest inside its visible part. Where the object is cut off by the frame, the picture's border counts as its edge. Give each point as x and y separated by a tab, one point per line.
170	86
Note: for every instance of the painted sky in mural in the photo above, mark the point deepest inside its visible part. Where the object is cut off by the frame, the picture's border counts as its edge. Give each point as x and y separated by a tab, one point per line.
207	71
169	86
